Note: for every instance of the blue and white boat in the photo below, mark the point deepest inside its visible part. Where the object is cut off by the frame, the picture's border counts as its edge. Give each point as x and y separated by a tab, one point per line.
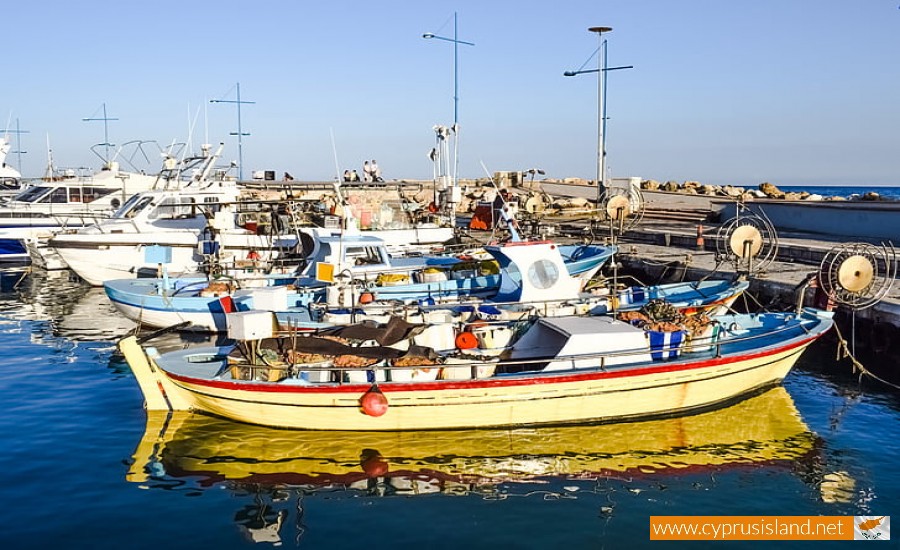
342	272
382	284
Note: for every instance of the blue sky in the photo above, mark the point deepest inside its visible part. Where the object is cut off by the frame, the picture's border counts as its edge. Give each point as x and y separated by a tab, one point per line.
726	92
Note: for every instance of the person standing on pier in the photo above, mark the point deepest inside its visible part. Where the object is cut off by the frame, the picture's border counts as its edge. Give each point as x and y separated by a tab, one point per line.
376	171
367	171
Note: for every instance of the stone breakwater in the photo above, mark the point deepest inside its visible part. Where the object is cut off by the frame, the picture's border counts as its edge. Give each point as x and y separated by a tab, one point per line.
765	190
479	190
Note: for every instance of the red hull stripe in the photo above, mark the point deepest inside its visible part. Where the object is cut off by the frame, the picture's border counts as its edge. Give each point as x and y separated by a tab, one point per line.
493	382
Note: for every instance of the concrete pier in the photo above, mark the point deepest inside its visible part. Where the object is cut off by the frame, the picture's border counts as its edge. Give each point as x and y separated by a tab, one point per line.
669	249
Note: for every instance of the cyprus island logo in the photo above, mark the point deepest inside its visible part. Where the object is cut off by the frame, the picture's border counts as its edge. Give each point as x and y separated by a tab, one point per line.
872	528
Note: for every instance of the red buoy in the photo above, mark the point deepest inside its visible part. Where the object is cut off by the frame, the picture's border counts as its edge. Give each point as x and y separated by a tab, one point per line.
466	340
373	402
366	298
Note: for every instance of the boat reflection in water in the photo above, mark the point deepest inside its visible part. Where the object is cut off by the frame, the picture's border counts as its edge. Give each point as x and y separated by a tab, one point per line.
60	310
268	464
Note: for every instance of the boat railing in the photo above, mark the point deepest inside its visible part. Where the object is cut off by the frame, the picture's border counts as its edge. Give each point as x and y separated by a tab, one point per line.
730	334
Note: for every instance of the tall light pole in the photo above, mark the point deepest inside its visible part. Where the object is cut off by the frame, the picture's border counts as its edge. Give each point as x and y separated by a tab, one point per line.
105	120
240	133
601	103
456	42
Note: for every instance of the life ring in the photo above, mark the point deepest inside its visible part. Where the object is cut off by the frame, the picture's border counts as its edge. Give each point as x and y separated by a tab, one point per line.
466	340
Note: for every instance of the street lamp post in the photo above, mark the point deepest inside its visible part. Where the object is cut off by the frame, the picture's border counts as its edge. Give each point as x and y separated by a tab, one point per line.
456	42
240	133
601	103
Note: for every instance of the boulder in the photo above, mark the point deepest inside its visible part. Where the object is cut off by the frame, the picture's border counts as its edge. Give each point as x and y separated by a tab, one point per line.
771	190
870	196
650	185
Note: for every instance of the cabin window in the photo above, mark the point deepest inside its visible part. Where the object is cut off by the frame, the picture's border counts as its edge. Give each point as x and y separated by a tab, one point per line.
90	194
172	209
58	196
211	204
363	255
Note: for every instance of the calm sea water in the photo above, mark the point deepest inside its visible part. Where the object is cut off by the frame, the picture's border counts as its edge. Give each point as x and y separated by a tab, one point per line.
84	466
891	193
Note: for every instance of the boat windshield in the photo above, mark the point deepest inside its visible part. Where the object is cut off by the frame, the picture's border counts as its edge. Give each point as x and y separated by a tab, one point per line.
33	194
9	183
363	255
133	206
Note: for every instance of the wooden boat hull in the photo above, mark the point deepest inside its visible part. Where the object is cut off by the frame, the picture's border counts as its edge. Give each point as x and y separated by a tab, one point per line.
496	404
691	382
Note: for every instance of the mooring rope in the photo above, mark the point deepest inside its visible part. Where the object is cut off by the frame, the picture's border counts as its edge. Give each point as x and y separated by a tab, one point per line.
843	351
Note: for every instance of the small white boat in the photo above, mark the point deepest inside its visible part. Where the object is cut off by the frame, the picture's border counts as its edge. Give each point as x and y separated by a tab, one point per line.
47	206
163	226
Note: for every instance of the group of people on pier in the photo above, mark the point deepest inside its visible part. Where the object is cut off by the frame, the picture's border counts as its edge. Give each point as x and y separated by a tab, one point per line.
371	172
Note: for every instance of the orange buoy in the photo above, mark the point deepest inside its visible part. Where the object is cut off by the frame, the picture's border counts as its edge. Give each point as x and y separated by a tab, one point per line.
373	402
466	340
366	298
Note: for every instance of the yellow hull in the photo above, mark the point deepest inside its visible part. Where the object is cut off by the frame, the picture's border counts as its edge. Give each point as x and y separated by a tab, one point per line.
560	398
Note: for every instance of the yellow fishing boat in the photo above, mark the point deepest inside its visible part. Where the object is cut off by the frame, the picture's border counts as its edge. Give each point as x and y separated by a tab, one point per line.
545	371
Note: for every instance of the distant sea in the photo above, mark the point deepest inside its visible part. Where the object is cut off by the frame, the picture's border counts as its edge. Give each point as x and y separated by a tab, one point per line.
890	193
